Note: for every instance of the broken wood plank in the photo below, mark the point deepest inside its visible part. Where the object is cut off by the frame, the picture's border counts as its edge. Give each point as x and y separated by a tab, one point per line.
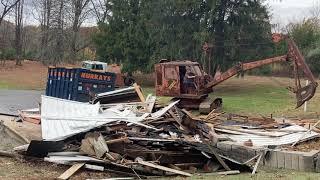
112	141
221	161
229	172
177	119
257	164
94	144
138	90
68	173
190	115
151	139
94	167
8	154
163	168
151	100
304	134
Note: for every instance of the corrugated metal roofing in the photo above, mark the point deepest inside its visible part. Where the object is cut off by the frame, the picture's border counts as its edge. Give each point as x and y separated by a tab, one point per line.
62	118
281	140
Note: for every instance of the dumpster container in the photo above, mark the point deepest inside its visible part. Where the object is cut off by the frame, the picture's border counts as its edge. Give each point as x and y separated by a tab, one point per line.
77	84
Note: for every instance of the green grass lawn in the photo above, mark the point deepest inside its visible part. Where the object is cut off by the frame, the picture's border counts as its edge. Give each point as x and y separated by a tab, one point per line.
265	174
264	100
261	97
253	101
5	85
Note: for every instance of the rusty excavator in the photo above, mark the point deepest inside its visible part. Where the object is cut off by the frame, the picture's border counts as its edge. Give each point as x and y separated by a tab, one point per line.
186	80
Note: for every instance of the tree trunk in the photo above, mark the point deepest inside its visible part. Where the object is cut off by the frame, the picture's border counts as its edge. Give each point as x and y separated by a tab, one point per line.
45	24
18	33
219	34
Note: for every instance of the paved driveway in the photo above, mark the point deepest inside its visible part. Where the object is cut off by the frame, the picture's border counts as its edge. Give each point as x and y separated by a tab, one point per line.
13	100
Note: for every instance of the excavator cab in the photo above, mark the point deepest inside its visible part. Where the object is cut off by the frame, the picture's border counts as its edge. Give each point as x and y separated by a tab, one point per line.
186	81
179	79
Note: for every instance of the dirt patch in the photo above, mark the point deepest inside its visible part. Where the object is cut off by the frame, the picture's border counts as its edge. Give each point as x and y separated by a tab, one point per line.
307	146
37	169
31	75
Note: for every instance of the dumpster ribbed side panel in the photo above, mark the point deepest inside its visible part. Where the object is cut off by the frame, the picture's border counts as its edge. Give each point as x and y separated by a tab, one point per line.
77	84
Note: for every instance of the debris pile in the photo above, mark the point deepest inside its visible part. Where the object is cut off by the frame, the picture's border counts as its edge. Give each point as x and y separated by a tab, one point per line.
127	138
143	139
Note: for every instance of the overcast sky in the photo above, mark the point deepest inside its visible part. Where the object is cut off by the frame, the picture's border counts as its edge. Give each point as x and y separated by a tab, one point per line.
290	10
282	11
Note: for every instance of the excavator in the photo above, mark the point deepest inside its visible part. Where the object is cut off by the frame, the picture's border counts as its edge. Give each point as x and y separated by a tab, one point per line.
186	81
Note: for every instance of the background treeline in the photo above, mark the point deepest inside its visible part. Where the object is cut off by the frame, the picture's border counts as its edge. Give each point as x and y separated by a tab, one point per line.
138	33
51	31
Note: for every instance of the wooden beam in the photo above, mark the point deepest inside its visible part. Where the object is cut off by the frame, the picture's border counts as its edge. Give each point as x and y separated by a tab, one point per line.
257	163
221	161
68	173
229	172
112	141
7	154
138	90
163	168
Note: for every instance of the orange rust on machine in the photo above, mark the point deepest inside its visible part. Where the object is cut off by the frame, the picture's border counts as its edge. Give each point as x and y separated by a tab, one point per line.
95	76
170	77
187	80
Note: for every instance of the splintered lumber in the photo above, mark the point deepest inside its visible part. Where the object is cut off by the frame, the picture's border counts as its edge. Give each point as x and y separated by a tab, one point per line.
7	154
124	139
151	139
221	161
94	144
229	172
138	90
68	173
208	149
163	168
190	115
304	134
94	167
176	118
257	164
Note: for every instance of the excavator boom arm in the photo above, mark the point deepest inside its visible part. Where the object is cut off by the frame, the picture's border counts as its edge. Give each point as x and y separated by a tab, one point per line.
303	94
244	67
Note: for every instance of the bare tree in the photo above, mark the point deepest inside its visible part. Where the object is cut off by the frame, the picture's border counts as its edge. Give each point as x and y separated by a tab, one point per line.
18	32
6	6
51	16
44	15
59	37
101	9
79	12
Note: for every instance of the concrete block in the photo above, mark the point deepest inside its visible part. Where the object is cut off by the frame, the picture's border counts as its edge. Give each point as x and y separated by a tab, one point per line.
295	161
307	161
281	159
317	169
288	160
261	163
271	159
303	161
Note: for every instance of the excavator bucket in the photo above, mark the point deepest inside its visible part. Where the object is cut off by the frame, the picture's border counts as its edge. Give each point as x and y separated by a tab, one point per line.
305	94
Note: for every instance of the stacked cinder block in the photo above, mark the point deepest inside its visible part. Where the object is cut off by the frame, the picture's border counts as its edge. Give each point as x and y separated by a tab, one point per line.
295	160
302	161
